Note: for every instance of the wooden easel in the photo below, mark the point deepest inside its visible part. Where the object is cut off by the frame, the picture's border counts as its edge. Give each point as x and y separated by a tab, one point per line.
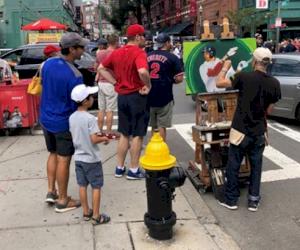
226	34
207	35
201	170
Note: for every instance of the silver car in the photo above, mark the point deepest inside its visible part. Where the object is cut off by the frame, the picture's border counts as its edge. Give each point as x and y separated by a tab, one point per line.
286	68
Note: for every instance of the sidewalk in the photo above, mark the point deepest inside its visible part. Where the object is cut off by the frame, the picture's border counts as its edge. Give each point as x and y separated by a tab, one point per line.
29	223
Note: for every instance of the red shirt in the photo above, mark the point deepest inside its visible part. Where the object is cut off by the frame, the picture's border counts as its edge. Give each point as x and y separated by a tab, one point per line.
125	63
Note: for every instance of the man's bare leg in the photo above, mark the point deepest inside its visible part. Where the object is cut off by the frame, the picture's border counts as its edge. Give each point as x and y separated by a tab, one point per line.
135	151
101	115
62	177
51	172
109	121
163	133
123	146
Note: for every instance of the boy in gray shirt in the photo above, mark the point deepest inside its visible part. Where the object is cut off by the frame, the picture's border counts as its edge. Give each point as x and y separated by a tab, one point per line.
88	167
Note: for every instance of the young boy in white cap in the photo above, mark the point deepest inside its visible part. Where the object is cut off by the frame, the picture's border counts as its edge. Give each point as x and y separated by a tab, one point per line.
88	166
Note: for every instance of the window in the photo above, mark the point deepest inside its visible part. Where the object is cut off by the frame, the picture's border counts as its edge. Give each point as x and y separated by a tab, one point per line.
285	67
14	56
33	56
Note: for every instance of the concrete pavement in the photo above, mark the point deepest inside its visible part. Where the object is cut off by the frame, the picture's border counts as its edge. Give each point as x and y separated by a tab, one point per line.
27	222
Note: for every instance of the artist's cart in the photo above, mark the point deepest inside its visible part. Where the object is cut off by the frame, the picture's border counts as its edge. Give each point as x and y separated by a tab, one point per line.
214	113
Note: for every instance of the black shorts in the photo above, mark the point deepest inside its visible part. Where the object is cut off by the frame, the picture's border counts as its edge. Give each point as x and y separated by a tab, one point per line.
133	112
60	143
89	173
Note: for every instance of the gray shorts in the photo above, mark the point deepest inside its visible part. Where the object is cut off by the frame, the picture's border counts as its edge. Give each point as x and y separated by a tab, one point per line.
107	97
89	173
161	117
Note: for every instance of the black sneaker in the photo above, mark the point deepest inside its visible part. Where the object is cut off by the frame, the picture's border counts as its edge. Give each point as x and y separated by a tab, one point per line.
231	206
51	198
253	206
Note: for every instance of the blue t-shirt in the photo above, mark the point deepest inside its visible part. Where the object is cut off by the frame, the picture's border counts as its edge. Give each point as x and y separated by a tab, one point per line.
163	67
59	77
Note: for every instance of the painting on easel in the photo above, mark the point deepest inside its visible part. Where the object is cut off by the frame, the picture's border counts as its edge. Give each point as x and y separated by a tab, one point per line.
203	60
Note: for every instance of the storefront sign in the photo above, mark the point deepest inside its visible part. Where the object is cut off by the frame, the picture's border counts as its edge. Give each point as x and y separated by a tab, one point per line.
262	4
44	37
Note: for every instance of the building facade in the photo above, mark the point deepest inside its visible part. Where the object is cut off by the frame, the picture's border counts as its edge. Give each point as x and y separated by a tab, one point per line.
167	13
16	13
91	18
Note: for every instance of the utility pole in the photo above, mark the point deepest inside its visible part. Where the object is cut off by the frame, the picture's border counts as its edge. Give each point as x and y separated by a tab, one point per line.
99	18
278	28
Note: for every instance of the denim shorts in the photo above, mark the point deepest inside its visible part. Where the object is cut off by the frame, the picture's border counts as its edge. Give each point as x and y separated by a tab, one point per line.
89	173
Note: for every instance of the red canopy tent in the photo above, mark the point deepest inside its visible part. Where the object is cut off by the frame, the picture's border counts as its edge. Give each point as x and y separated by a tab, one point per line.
44	24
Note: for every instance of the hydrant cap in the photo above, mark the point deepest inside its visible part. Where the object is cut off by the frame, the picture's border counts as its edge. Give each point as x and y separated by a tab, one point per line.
157	155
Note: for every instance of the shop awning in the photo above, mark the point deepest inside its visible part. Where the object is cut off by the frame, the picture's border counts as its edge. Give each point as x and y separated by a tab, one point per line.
175	29
178	28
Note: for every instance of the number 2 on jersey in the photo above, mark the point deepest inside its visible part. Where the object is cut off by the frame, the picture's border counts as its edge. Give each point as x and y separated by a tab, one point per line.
154	73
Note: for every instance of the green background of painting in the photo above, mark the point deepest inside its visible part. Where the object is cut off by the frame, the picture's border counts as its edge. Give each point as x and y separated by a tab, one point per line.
193	58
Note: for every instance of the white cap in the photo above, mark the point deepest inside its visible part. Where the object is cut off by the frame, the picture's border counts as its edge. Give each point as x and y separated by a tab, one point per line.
262	54
81	92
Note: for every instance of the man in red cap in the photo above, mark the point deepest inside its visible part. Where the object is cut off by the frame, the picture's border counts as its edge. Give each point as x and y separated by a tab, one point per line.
132	83
51	51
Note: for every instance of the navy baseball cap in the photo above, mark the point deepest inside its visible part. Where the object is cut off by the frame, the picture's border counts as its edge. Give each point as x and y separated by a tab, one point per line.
209	49
162	38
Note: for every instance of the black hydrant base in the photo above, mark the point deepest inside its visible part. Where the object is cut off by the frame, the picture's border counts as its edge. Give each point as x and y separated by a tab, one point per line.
160	229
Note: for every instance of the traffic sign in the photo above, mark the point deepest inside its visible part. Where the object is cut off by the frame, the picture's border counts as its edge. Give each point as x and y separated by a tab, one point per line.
278	22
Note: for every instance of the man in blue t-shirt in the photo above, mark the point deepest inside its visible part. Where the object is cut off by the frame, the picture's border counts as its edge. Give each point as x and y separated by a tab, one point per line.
59	77
165	70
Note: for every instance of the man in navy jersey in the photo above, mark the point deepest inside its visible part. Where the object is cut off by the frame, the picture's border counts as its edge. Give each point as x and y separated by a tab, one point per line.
165	70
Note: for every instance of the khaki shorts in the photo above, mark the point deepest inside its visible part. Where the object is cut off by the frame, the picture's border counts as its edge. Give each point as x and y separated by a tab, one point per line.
107	97
161	117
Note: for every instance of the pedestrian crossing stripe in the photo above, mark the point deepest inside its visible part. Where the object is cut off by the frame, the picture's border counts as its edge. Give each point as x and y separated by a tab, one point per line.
289	168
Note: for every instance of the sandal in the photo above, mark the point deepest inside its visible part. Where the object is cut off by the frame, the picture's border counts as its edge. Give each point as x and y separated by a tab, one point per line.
102	219
70	204
87	217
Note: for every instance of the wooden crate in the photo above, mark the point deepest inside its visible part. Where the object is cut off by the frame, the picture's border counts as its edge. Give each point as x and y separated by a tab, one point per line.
214	101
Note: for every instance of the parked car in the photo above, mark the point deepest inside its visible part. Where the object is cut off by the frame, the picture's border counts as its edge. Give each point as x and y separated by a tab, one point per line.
27	58
286	68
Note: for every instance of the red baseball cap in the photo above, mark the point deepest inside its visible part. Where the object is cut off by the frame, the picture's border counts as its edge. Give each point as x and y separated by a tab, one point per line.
49	49
135	29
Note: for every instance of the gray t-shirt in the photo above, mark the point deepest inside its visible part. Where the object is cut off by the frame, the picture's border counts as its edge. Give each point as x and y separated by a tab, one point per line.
82	125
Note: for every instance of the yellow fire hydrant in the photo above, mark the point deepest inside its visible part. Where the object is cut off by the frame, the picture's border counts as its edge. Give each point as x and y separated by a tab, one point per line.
162	177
